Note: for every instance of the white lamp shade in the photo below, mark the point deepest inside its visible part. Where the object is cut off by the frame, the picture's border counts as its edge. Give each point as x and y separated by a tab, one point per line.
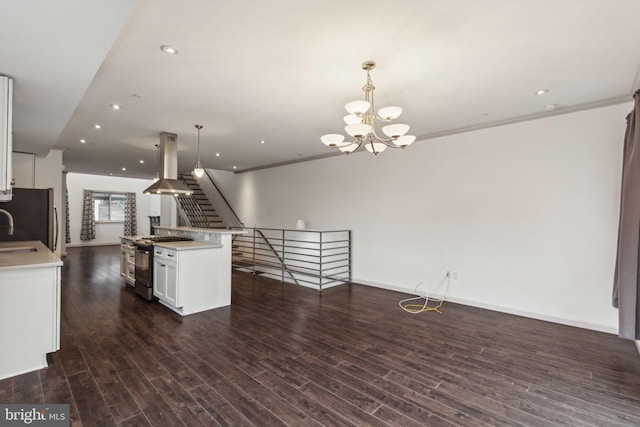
357	130
375	147
198	170
352	119
389	113
357	107
405	140
396	130
350	148
332	139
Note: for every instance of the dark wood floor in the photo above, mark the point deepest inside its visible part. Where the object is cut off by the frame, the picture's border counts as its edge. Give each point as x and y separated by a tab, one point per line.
283	355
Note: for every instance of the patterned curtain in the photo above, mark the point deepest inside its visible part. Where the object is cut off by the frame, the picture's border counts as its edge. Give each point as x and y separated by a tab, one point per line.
66	218
130	224
88	227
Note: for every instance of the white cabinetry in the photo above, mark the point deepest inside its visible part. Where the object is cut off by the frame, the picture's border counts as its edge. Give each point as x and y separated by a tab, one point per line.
165	278
187	281
29	308
6	136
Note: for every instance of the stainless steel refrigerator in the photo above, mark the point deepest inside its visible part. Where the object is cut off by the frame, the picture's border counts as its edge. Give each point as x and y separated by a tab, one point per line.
34	217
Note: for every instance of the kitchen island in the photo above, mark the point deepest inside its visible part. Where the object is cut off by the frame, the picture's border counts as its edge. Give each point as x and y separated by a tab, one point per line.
29	306
188	277
191	276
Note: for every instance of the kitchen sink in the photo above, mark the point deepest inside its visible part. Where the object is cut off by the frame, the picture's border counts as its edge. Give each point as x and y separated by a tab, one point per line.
17	249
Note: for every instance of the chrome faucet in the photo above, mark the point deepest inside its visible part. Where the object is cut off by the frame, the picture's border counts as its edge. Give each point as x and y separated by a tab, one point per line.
10	221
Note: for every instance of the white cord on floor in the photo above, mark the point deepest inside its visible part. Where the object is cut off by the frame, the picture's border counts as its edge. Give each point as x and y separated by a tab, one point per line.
413	308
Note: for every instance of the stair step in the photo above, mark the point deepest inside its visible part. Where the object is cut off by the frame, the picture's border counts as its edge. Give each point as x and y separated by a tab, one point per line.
196	208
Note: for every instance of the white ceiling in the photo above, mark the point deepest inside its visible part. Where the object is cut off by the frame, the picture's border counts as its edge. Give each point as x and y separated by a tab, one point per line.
281	71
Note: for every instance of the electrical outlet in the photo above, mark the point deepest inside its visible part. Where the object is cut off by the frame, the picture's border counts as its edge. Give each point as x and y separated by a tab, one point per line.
453	275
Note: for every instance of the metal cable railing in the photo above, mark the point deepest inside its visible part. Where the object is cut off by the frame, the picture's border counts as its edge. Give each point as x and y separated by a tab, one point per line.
317	259
192	211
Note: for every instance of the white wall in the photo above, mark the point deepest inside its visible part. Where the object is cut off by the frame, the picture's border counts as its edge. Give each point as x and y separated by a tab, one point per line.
106	233
526	213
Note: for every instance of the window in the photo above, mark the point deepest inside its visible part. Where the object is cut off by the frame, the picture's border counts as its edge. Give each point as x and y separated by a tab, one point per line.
109	207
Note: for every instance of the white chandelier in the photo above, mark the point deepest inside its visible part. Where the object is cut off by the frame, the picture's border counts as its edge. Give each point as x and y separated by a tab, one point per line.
361	120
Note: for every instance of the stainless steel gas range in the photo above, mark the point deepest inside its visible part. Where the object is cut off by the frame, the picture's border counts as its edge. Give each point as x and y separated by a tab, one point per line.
144	263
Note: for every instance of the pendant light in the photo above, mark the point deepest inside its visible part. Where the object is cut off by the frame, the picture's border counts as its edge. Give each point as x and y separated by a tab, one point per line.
198	170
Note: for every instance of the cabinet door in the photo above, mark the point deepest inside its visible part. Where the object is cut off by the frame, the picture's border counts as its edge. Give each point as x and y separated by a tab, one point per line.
171	293
159	279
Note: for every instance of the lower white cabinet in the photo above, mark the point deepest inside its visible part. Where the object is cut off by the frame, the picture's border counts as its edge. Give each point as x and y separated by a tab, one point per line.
29	315
188	281
165	278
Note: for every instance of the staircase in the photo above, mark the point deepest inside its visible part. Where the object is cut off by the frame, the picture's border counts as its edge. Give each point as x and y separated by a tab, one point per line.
197	209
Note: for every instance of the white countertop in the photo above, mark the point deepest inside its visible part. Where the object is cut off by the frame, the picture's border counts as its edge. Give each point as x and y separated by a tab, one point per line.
41	257
201	230
186	246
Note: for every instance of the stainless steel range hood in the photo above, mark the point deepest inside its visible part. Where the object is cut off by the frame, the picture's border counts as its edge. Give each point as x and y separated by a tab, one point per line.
168	184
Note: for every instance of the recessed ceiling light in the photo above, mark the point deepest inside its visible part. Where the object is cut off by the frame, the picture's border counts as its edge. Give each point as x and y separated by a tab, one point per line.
550	107
262	141
110	174
217	154
234	167
82	141
141	161
541	91
116	106
169	49
124	169
97	126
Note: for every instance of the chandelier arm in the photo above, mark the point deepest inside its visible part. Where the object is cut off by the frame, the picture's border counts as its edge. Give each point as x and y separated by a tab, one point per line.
387	142
390	145
383	140
346	144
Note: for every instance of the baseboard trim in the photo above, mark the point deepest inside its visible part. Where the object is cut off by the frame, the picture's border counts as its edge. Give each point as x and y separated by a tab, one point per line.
563	321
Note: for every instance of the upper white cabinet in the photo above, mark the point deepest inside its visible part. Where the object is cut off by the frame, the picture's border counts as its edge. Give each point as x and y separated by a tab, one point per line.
6	136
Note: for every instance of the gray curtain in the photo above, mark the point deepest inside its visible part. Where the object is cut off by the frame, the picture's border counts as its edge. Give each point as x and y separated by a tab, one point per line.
130	223
88	227
626	287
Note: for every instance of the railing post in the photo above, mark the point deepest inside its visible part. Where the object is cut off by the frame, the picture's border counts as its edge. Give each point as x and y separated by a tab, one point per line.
321	261
254	251
350	257
282	264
